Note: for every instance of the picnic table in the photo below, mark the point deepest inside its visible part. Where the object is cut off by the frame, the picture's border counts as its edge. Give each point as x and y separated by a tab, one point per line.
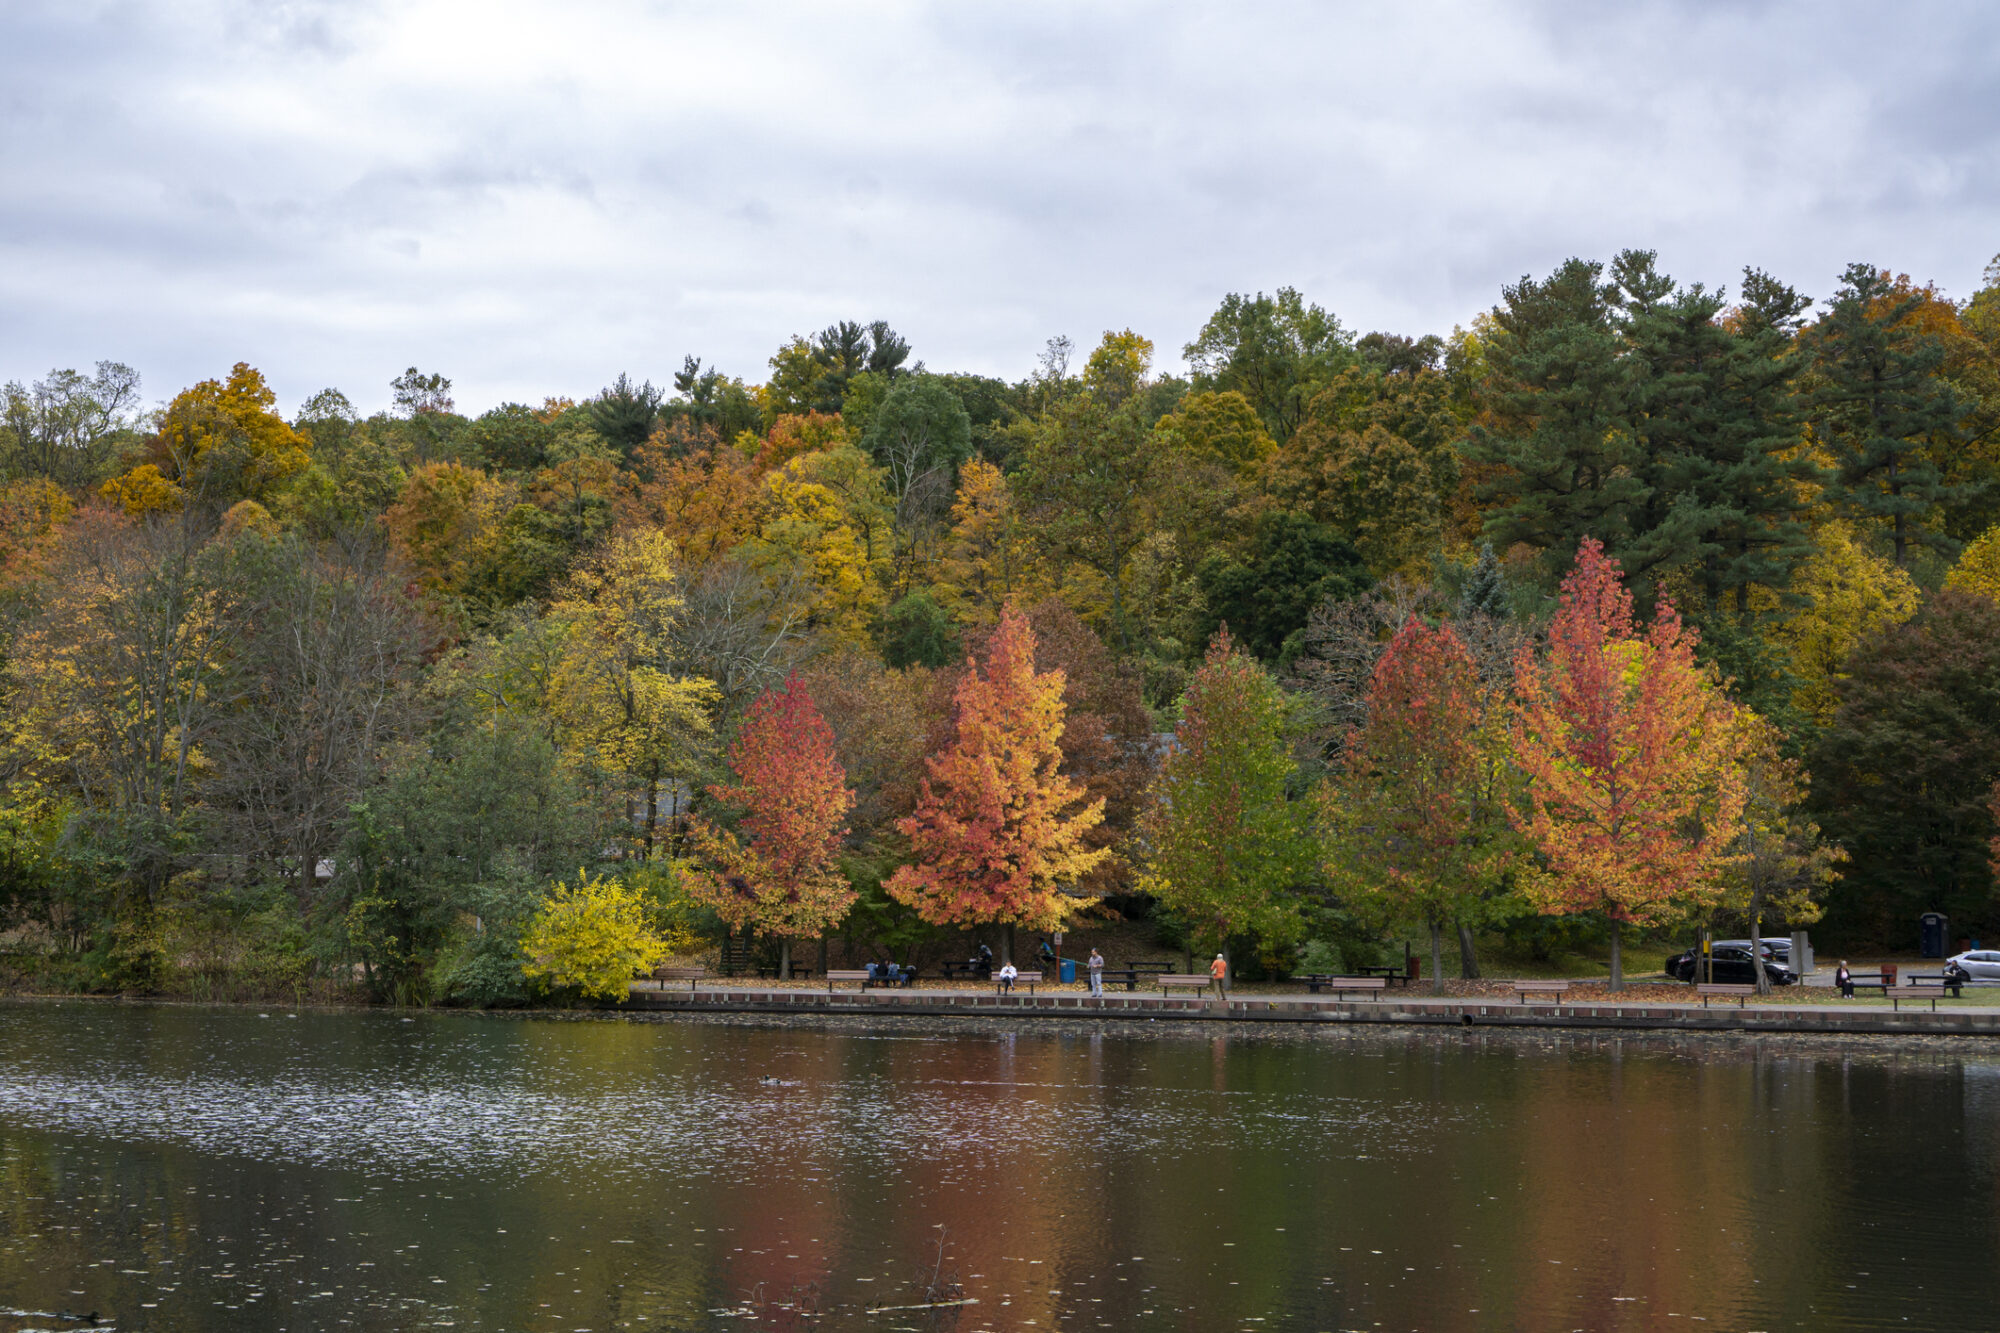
1131	972
1396	972
968	971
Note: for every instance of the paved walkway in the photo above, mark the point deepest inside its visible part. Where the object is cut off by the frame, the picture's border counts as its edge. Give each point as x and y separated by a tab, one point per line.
1400	1008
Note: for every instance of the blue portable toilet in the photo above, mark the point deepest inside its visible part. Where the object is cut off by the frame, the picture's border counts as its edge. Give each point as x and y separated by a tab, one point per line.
1932	926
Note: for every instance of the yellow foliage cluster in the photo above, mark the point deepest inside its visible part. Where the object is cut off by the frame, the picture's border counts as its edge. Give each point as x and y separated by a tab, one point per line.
1850	593
222	436
590	937
1978	567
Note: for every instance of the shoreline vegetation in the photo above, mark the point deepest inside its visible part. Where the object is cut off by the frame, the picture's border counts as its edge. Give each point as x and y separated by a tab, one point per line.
1634	608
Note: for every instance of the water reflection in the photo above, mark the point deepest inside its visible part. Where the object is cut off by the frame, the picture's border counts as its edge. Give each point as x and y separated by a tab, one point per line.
180	1168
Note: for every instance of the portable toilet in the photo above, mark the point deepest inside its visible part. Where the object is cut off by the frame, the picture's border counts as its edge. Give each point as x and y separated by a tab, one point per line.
1932	928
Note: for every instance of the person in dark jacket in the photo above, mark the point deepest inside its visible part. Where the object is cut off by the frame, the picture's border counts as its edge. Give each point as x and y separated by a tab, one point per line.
1844	979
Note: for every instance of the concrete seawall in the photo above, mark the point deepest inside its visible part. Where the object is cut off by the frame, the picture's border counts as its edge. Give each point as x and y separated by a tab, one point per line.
729	998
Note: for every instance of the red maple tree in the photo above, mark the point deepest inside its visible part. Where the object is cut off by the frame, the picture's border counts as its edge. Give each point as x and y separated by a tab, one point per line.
1632	758
998	829
1414	814
780	876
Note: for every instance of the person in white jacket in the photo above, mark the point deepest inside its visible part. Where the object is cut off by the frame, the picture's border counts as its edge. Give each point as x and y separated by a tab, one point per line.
1006	977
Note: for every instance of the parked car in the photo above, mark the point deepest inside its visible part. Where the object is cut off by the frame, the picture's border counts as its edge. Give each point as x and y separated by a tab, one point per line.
1732	965
1777	949
1975	965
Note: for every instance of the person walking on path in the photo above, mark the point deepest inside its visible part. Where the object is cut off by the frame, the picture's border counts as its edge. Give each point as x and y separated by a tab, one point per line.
1007	975
1096	973
1845	980
1218	971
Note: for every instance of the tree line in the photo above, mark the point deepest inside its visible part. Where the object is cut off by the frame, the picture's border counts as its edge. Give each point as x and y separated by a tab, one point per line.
1631	602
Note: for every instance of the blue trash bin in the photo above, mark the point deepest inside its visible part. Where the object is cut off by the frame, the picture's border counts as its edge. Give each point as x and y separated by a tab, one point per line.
1067	970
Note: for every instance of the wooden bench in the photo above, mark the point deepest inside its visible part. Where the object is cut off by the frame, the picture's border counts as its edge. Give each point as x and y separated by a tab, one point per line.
1554	990
1028	979
1172	981
1938	981
964	971
1905	991
1338	985
1708	990
834	974
690	975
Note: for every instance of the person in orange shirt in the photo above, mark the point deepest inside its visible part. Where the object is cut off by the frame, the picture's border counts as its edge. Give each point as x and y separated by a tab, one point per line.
1219	970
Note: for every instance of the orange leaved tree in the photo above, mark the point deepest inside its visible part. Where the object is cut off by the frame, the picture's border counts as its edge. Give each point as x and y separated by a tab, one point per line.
1634	782
997	829
1414	819
780	877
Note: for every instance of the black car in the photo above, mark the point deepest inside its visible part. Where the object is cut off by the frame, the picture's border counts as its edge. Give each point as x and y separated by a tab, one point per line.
1732	965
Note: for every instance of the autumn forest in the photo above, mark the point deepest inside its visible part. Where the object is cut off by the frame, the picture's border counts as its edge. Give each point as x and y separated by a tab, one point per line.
1635	602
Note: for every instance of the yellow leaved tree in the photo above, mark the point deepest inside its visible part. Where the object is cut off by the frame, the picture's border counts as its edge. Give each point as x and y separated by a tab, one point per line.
1978	567
220	440
1850	593
988	559
807	549
618	691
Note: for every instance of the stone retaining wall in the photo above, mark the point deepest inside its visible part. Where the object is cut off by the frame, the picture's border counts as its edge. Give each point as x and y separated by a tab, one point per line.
727	998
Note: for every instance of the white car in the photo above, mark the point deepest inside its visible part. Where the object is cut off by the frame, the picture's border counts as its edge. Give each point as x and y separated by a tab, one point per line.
1979	964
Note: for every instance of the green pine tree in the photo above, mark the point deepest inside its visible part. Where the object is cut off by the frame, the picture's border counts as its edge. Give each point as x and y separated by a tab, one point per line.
1485	592
1727	482
1879	405
1561	453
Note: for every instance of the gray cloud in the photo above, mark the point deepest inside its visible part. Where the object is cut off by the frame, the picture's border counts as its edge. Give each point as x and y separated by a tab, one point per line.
531	198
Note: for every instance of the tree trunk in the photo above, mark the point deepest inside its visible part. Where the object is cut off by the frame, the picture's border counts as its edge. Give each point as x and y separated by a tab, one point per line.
1437	957
1007	943
784	958
1617	958
1757	940
1187	954
1468	957
822	955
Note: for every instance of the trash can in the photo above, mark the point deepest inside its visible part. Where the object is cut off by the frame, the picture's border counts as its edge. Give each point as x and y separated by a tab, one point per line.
1931	926
1067	970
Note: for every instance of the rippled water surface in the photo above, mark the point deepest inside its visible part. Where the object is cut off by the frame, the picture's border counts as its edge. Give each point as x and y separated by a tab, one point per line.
187	1168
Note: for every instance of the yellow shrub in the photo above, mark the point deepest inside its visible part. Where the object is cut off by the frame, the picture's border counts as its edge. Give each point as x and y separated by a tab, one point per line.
590	937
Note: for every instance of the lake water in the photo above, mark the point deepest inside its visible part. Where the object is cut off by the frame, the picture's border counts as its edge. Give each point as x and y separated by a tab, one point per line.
195	1168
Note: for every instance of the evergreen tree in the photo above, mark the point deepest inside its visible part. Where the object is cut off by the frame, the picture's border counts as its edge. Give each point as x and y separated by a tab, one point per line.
1880	407
624	413
1711	410
1485	592
1559	456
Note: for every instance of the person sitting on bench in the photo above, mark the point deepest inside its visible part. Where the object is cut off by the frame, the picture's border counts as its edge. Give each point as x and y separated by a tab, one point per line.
1006	978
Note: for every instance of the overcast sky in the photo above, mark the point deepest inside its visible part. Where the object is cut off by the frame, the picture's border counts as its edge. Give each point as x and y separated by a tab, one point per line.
533	197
